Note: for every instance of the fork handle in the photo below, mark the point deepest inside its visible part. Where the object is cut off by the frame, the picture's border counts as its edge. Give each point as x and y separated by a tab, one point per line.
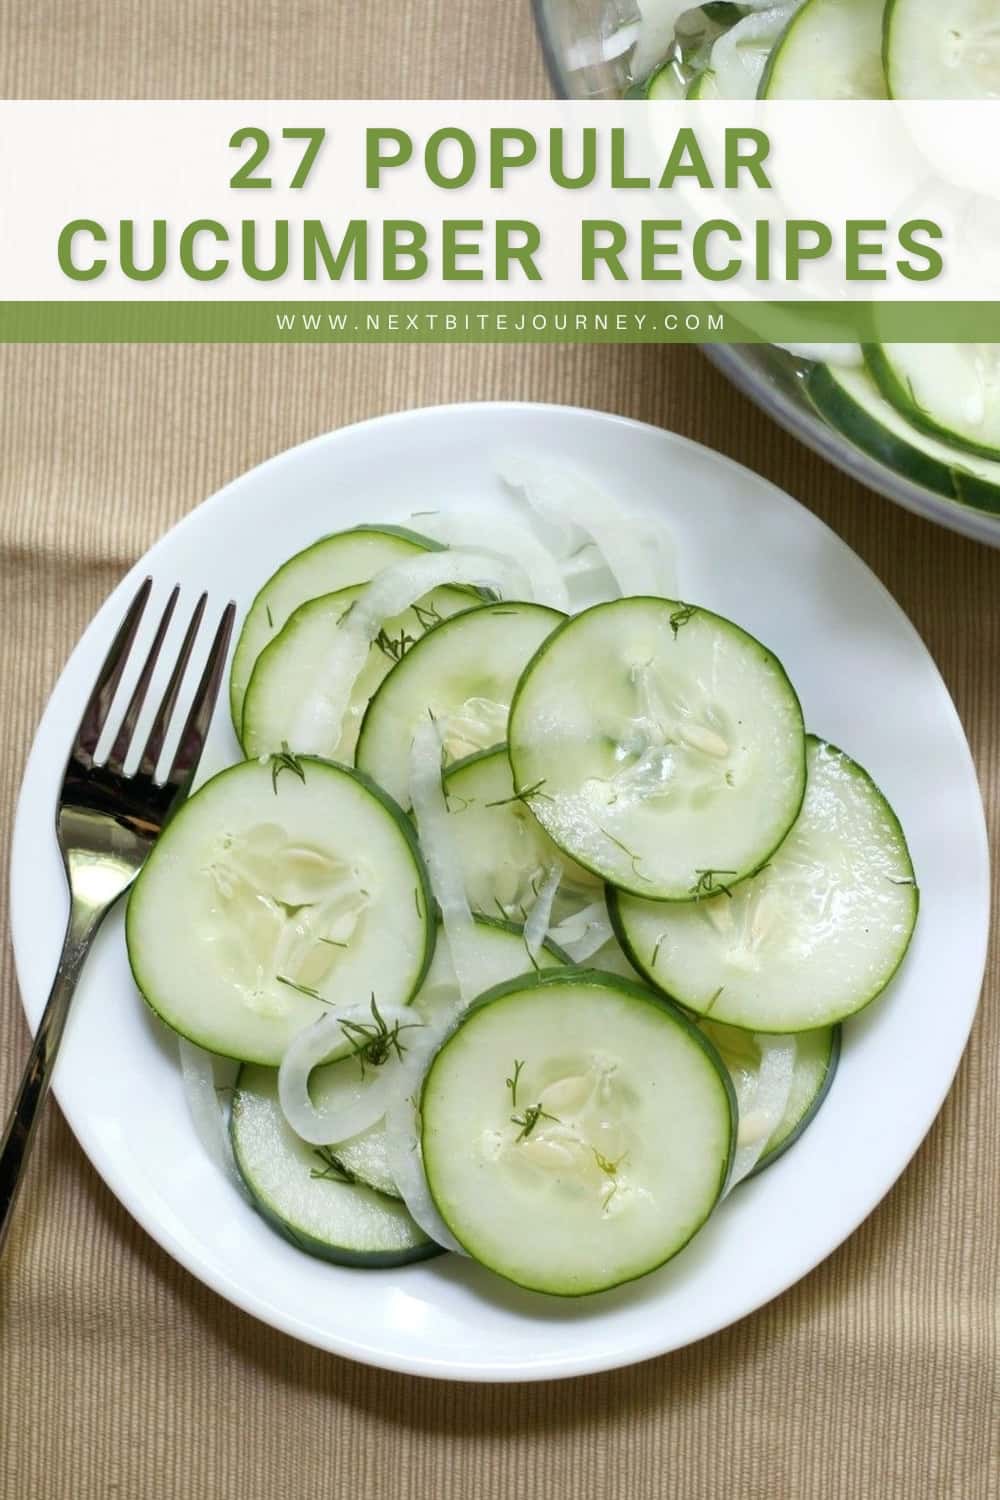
19	1134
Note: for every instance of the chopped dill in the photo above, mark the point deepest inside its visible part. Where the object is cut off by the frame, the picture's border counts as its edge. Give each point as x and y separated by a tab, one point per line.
428	615
534	790
530	1119
394	647
709	1007
635	858
332	943
512	1082
656	950
303	989
270	617
374	1042
681	617
332	1170
708	884
284	760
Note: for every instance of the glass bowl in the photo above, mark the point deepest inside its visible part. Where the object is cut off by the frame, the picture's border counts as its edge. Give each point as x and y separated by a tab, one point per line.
587	45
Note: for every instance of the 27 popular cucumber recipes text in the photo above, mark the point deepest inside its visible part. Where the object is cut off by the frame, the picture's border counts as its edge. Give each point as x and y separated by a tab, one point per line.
678	167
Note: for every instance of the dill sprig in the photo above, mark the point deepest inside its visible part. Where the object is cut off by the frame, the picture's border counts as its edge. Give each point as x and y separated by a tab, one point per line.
530	1119
535	790
681	617
284	760
635	858
332	1170
708	884
303	989
270	617
428	615
394	647
513	1081
374	1042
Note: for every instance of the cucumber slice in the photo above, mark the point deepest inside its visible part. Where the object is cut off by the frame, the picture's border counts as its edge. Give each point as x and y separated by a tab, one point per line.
286	670
666	83
659	745
816	1057
605	1151
830	49
703	86
465	670
949	391
279	889
852	403
300	1191
503	850
334	562
942	49
739	57
811	938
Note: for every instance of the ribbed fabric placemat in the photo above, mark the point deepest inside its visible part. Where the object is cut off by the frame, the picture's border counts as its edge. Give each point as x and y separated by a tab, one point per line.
120	1375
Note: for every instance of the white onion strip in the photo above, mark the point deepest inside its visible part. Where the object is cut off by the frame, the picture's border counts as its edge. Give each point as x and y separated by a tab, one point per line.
363	1097
402	1138
639	551
430	808
205	1076
762	1101
584	933
540	916
320	718
511	539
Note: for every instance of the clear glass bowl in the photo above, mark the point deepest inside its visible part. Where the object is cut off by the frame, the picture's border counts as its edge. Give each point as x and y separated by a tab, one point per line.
573	34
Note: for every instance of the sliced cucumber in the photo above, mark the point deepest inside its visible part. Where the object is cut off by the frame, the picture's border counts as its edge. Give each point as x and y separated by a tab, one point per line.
816	1056
666	83
852	403
334	562
950	391
576	1131
942	49
287	669
301	1192
739	57
830	49
281	888
811	938
658	745
464	670
703	86
503	850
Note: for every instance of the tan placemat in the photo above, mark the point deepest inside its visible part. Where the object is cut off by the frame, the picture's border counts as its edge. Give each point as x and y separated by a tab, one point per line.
120	1375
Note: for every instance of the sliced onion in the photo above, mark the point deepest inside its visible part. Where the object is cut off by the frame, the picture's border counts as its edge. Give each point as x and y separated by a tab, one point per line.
540	916
205	1075
430	809
402	1138
512	540
762	1101
367	1098
638	552
320	718
585	932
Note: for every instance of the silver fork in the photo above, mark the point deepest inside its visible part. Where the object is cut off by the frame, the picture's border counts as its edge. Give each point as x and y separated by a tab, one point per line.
106	824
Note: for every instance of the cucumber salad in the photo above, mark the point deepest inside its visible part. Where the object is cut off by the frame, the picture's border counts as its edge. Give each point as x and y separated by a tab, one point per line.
930	412
526	926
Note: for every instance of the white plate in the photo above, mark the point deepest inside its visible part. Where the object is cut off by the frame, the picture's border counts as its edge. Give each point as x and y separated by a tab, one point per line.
866	682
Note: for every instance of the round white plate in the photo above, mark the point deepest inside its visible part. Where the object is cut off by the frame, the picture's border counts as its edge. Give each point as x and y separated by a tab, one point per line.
866	682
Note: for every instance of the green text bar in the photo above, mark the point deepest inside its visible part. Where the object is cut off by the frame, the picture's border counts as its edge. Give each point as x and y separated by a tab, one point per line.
650	322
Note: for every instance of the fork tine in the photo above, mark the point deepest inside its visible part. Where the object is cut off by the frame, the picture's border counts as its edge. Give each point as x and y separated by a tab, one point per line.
123	739
95	714
158	733
192	739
